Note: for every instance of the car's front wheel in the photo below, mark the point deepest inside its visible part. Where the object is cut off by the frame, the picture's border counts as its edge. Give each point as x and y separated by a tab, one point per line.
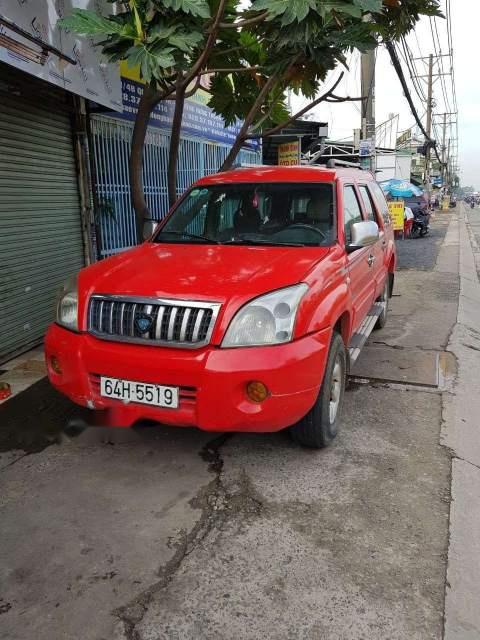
384	299
319	427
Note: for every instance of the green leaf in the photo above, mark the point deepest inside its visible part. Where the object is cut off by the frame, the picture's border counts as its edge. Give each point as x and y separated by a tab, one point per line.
369	6
186	42
290	10
161	32
197	8
340	6
152	60
89	23
222	99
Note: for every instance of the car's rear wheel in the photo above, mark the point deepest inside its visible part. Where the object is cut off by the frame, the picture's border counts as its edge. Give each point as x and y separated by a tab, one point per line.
384	298
319	427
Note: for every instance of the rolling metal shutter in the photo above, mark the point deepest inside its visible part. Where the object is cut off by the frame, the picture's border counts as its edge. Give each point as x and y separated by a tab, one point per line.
40	224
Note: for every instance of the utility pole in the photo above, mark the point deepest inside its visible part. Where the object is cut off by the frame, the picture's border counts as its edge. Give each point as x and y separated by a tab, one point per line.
444	149
368	93
428	153
448	176
430	78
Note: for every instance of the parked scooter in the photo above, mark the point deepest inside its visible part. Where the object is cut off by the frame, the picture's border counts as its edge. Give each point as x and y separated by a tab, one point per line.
421	223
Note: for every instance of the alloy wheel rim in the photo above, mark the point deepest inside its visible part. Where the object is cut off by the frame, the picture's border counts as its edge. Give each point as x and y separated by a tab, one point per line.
335	389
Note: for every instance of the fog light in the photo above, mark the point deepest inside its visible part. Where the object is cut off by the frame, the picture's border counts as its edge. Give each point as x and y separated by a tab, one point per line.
55	364
257	391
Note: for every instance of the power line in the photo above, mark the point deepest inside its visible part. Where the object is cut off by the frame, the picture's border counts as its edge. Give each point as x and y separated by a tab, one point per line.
439	56
398	68
408	57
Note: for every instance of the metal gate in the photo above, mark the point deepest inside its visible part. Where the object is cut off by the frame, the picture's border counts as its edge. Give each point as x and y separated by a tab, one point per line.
40	227
111	147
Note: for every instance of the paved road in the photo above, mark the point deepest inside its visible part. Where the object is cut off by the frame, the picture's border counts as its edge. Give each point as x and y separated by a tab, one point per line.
422	253
172	534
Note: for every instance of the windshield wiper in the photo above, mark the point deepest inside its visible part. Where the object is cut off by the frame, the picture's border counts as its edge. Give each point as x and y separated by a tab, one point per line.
267	243
196	236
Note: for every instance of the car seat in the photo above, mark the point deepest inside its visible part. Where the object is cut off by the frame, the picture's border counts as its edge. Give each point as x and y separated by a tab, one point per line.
320	213
247	219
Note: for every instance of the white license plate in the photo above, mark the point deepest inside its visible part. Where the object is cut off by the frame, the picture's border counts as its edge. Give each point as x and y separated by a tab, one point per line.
143	392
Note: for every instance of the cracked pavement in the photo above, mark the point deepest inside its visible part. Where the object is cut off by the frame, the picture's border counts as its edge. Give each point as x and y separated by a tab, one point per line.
177	534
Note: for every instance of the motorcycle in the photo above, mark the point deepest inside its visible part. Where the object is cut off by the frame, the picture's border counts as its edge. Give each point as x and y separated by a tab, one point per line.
421	223
472	204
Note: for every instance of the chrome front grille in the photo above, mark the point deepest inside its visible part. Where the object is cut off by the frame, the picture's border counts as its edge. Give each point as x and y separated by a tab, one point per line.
175	323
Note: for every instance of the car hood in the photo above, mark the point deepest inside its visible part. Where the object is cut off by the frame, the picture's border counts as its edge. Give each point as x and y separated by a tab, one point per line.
200	272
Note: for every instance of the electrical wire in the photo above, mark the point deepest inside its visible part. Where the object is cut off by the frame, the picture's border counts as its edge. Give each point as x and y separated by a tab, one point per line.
401	76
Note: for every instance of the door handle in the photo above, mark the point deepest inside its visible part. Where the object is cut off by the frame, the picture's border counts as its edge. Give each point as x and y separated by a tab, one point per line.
371	260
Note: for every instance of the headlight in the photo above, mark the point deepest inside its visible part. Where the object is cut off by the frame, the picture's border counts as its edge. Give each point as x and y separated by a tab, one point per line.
269	319
67	305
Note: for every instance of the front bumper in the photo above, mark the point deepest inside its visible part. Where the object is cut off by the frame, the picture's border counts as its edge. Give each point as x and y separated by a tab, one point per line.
212	381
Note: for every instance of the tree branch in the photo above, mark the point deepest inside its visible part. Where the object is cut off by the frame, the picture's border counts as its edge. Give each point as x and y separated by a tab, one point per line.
269	111
233	70
333	98
209	44
297	115
244	23
248	121
195	87
231	50
242	134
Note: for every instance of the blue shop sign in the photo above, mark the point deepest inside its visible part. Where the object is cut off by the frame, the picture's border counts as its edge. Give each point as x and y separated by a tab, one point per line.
198	119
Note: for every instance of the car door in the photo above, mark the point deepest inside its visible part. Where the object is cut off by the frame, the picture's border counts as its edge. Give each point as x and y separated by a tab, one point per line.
388	237
379	267
360	262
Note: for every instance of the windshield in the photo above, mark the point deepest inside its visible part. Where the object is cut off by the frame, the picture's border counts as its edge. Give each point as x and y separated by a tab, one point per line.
254	214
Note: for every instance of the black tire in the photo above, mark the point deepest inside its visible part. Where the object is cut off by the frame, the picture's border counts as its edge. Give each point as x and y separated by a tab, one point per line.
415	233
317	429
385	297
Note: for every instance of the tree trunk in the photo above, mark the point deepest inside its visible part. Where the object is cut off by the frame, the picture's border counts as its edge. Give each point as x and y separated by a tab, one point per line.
175	144
233	153
139	203
243	133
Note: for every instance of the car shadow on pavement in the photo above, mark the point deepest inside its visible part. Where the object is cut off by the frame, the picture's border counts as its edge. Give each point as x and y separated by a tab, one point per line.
40	416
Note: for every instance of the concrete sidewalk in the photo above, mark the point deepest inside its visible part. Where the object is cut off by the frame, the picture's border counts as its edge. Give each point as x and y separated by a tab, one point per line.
461	433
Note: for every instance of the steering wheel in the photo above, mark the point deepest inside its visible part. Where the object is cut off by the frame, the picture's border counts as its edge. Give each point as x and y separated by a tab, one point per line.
301	225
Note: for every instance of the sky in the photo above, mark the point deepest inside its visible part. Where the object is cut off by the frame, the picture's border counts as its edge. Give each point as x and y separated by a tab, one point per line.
343	118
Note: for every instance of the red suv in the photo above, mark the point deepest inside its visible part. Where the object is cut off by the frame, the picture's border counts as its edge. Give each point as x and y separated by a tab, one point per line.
242	312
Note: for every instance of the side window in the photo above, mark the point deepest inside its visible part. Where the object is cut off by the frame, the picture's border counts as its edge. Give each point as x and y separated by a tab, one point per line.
351	211
379	198
367	201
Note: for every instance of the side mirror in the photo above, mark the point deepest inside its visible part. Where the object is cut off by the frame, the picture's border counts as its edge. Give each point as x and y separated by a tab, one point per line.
149	228
364	234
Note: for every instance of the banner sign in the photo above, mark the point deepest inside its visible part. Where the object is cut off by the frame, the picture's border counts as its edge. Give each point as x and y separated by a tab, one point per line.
198	119
397	213
91	76
289	153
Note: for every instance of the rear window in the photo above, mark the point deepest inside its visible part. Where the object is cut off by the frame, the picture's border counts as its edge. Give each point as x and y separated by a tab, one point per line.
380	200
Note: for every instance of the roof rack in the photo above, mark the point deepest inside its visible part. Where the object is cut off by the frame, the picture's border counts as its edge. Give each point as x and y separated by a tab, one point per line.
247	165
333	162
